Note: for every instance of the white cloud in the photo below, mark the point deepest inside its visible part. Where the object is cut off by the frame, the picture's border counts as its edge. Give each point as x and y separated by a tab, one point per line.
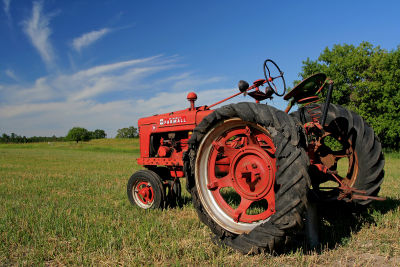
54	104
38	30
58	117
103	84
89	38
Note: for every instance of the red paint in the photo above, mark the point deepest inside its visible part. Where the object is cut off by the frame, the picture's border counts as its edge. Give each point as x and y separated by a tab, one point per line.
249	167
145	193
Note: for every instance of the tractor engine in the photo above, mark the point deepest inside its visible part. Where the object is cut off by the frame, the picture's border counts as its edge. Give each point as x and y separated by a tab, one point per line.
164	137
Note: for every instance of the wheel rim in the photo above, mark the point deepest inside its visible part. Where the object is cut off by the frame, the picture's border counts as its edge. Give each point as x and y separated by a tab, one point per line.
143	194
236	159
330	158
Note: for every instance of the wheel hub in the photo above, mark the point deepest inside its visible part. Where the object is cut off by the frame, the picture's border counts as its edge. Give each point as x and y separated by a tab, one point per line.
145	193
252	173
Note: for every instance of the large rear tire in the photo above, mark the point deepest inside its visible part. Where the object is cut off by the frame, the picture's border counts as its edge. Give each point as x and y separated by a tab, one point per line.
359	145
258	153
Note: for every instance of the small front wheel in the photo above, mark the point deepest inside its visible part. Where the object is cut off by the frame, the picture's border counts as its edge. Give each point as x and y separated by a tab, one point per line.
146	190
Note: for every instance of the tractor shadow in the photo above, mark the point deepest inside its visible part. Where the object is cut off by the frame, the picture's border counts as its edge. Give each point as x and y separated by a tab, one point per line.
339	220
184	201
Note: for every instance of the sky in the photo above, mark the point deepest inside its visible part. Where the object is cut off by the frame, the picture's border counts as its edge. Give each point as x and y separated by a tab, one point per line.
104	64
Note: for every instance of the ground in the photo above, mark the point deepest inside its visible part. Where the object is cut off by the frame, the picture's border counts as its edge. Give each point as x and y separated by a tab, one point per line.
66	204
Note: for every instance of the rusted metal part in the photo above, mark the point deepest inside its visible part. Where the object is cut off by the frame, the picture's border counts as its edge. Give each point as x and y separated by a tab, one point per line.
321	156
325	160
362	197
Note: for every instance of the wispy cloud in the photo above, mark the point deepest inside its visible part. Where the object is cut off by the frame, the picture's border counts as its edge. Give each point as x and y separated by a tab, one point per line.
37	29
56	103
118	65
89	38
11	74
6	8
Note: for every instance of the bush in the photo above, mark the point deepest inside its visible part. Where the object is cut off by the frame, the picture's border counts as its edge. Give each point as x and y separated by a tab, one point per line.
130	132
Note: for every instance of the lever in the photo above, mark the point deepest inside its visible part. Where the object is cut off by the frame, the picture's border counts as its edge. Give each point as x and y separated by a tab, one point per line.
328	100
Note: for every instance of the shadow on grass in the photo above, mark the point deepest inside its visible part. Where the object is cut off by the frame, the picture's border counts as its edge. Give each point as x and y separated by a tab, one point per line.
339	220
185	200
230	196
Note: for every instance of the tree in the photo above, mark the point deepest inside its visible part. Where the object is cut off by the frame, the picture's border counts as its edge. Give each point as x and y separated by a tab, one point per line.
98	134
5	138
130	132
367	81
78	134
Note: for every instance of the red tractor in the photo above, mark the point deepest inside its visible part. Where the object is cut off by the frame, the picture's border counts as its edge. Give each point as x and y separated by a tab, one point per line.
251	169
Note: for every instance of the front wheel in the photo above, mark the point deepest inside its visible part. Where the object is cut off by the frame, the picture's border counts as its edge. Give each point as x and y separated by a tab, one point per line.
145	190
249	176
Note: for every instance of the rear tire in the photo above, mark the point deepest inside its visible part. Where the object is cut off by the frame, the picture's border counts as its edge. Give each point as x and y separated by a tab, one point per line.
291	178
367	171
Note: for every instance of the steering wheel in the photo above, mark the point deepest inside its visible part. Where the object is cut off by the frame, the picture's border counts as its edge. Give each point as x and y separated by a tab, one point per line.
270	79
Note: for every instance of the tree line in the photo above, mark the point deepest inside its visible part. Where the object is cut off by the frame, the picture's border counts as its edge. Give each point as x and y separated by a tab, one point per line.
75	134
14	138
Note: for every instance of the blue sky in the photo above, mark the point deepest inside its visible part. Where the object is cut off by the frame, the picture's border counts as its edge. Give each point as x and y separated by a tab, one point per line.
104	64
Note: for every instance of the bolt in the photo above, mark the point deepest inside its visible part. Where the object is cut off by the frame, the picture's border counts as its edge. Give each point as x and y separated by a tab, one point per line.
217	146
237	216
254	166
212	186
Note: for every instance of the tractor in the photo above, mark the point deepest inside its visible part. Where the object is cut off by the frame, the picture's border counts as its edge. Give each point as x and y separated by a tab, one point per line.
253	170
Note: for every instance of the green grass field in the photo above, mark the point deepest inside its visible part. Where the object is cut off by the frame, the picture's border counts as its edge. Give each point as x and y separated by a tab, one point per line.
66	204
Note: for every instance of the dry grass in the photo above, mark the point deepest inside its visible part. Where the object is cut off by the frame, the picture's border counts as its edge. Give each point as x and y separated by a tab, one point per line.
66	204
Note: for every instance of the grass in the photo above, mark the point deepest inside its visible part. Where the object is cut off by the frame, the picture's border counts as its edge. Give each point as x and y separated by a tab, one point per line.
66	204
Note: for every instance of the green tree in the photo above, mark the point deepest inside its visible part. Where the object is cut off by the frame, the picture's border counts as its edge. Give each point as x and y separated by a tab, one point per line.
367	81
5	138
129	132
98	134
78	134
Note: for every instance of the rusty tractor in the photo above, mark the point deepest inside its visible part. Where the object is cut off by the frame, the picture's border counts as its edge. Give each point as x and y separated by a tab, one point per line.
251	169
